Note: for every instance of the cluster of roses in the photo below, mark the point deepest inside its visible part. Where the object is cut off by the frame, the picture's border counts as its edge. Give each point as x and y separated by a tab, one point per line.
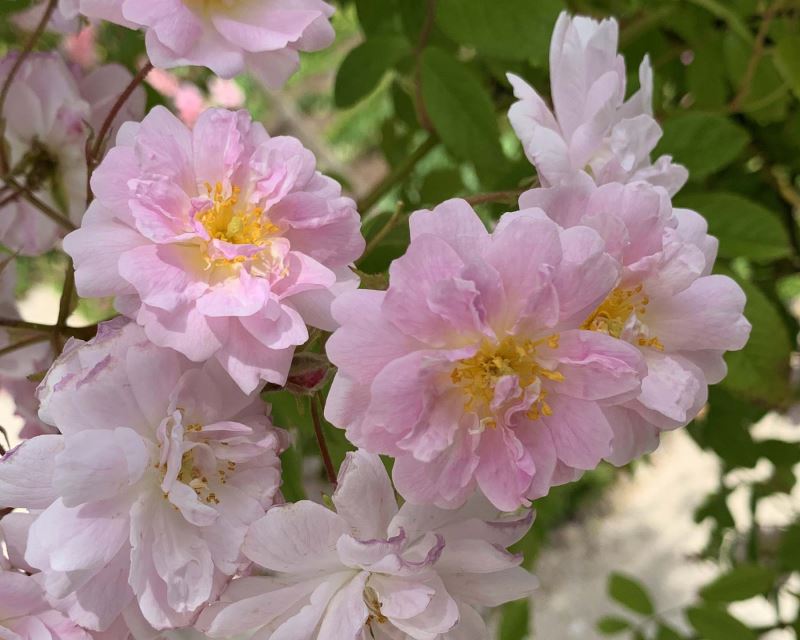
495	366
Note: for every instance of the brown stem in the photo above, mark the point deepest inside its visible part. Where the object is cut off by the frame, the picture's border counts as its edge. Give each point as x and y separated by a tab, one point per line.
316	418
45	208
64	305
95	152
497	196
22	344
424	37
76	332
396	175
384	231
755	57
26	51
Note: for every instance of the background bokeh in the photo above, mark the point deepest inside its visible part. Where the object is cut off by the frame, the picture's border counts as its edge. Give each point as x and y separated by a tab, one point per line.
408	108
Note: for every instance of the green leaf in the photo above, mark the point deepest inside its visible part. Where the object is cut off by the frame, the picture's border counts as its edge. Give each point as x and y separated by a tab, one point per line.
707	85
504	29
717	624
461	110
612	625
767	96
515	624
362	69
376	17
787	60
703	142
667	633
630	594
789	551
760	371
744	228
741	583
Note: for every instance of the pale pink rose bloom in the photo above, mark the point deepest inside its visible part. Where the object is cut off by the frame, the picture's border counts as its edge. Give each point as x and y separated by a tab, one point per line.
473	368
165	82
221	242
592	126
190	103
263	38
81	47
667	303
147	495
371	570
65	18
226	93
49	114
26	612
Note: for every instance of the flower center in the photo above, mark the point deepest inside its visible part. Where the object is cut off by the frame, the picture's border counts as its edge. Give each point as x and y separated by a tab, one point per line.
623	309
478	376
374	606
226	220
208	6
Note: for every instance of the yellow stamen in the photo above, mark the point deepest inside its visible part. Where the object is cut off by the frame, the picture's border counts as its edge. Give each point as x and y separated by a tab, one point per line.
614	316
477	376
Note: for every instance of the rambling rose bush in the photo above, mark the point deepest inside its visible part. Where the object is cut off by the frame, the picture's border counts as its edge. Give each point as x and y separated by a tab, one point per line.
49	115
591	126
262	38
146	496
473	368
369	570
660	305
223	243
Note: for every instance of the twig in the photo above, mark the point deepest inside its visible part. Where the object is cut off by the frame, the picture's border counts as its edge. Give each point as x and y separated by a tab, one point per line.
26	51
323	446
22	344
424	37
64	305
14	195
118	105
48	329
497	196
45	208
384	231
396	175
755	57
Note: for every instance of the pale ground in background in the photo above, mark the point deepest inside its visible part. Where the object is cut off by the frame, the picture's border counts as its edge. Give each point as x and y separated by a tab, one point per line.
642	527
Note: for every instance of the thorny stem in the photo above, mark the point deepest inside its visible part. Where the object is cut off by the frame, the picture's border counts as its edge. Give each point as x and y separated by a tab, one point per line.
755	57
396	175
97	149
316	417
26	50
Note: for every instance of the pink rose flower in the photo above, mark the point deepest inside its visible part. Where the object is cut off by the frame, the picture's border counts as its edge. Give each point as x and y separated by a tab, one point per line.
49	114
147	495
667	303
26	613
592	126
369	570
221	242
263	38
65	18
473	368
